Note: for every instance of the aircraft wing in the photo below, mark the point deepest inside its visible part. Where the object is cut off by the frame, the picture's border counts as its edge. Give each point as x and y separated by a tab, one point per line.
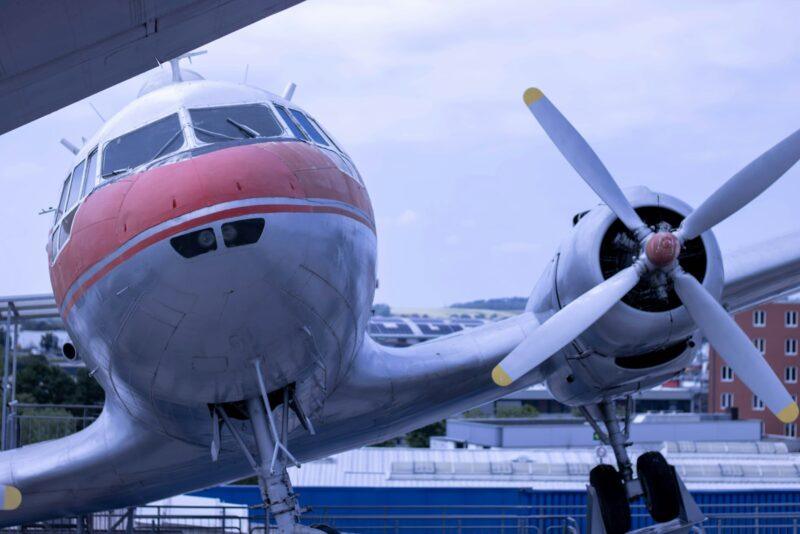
53	53
762	272
113	463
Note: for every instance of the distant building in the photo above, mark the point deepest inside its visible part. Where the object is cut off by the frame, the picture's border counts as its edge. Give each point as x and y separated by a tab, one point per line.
401	331
570	432
395	489
683	394
774	330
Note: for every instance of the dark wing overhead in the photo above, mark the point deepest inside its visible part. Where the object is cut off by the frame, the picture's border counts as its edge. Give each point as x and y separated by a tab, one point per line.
55	52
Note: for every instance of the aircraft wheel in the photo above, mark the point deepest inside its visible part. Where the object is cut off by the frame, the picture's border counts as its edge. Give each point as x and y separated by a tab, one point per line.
326	529
614	506
660	485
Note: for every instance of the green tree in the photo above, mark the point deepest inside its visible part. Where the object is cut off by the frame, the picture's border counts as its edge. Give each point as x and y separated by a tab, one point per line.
42	424
44	383
381	310
421	437
525	410
87	389
48	342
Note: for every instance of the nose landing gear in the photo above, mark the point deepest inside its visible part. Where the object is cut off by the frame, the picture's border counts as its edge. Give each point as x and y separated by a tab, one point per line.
611	489
273	456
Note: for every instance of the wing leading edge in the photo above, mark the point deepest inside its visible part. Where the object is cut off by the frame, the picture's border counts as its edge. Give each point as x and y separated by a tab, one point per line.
762	272
113	463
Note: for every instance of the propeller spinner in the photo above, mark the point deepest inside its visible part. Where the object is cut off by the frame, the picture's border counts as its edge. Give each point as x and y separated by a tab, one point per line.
660	251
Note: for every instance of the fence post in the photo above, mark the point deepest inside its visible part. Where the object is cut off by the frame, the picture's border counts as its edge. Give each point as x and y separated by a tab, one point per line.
757	522
6	356
129	526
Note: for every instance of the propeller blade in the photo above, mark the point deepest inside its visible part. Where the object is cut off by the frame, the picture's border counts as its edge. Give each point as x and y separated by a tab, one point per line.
582	158
743	187
567	324
734	346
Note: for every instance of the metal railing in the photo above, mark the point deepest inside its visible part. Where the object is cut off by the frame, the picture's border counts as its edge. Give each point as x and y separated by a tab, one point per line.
31	423
160	519
398	519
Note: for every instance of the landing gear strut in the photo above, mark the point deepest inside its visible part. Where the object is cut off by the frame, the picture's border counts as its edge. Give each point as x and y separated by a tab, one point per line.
273	457
611	489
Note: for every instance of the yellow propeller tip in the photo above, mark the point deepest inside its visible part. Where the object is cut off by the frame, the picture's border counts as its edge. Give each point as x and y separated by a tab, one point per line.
531	95
500	377
789	414
12	498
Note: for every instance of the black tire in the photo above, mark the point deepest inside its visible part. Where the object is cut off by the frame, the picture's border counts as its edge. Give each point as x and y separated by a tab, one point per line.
614	506
326	529
660	486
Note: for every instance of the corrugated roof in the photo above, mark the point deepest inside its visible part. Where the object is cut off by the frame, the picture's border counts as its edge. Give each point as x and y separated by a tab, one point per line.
716	466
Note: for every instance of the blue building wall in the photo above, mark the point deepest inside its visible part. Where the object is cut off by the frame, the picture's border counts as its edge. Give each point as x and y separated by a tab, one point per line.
370	510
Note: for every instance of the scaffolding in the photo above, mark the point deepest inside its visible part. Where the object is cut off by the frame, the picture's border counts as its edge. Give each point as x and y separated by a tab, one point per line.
14	311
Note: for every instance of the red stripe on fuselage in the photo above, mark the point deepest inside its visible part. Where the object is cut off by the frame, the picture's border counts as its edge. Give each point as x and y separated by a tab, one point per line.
119	211
206	219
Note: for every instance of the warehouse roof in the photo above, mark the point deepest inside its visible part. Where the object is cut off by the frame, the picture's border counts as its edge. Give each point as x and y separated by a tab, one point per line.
738	465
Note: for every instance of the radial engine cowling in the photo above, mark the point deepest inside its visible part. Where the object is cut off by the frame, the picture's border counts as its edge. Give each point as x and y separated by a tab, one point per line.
650	316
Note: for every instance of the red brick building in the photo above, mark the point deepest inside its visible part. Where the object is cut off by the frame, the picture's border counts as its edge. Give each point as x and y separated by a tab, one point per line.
774	329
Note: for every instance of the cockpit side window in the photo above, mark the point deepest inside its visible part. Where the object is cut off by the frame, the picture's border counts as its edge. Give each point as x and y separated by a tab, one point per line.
62	204
309	128
143	145
91	173
226	123
326	134
296	130
77	184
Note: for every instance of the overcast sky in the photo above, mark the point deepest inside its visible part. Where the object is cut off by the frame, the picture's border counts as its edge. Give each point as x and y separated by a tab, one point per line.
471	197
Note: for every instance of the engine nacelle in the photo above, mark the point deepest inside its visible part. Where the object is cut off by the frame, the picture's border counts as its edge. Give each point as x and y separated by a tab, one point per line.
650	317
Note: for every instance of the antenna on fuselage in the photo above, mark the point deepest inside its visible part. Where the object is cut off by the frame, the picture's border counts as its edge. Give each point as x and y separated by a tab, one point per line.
246	72
176	67
69	146
288	93
98	113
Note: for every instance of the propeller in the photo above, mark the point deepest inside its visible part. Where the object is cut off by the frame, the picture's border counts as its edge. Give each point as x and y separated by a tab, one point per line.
742	187
560	329
660	251
733	345
583	159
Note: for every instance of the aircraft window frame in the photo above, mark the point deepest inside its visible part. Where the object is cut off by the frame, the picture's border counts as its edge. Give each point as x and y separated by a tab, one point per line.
327	136
343	163
76	186
316	136
202	142
54	244
107	175
90	174
63	199
292	124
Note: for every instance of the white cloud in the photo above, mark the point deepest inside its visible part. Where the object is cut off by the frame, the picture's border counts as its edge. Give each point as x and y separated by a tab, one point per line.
407	218
426	96
515	247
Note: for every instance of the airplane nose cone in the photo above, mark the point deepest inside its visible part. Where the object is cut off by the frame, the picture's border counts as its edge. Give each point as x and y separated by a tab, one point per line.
662	249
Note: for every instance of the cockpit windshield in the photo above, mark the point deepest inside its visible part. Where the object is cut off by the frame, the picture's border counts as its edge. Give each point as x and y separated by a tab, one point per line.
214	125
142	146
